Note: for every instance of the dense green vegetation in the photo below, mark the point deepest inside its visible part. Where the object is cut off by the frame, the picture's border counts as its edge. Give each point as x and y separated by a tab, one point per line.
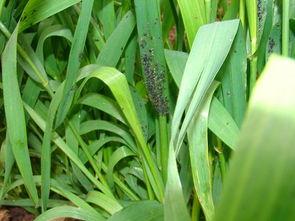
148	109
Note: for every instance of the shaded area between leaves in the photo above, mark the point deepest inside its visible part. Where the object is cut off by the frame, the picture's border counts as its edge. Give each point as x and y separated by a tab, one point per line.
20	214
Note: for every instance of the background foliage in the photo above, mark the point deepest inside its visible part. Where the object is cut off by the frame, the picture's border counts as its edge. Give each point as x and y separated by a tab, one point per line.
148	109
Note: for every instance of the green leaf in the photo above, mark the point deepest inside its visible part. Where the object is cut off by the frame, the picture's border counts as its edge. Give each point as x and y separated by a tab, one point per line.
38	10
221	122
92	125
233	79
61	190
194	16
8	163
232	10
52	31
15	116
74	144
118	85
143	210
69	212
209	51
174	205
117	155
265	152
152	54
130	59
31	64
108	204
46	147
176	61
251	6
210	48
107	16
199	154
113	49
66	149
104	104
148	17
74	59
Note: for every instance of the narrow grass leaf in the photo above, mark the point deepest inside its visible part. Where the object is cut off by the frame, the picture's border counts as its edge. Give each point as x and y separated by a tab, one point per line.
8	164
118	85
152	54
74	59
114	46
68	212
199	154
232	10
62	190
73	143
92	125
52	31
108	204
38	10
96	145
107	16
143	210
31	64
46	147
174	204
31	92
116	157
233	79
221	122
251	6
204	61
263	44
149	29
103	103
176	61
66	149
193	15
198	76
15	116
130	59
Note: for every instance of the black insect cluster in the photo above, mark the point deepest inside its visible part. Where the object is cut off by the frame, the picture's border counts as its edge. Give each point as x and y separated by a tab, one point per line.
154	79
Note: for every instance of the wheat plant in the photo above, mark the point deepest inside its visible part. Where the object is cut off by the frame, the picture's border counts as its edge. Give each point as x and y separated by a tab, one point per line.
170	110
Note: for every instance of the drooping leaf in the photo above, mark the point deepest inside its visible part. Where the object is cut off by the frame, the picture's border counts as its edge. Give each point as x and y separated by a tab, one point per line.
118	85
37	10
69	212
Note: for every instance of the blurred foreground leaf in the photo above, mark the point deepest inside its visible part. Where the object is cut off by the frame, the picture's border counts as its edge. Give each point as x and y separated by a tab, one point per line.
261	181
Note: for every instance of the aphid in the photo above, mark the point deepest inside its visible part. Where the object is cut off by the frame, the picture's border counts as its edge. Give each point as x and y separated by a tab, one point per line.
271	45
260	14
154	82
81	56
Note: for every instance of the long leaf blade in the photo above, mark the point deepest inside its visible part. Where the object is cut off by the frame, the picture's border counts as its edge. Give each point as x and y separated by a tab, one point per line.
15	116
74	59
